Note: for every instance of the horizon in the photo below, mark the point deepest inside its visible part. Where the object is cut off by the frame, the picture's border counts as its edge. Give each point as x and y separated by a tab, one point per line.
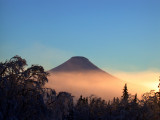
120	37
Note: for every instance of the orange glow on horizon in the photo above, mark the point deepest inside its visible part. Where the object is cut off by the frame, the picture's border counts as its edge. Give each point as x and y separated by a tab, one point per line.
147	80
101	86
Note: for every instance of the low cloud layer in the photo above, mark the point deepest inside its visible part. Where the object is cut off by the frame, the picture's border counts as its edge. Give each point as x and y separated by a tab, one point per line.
86	84
100	85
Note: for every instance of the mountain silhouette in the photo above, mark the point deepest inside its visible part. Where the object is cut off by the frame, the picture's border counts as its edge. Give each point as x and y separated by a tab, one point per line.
76	64
79	75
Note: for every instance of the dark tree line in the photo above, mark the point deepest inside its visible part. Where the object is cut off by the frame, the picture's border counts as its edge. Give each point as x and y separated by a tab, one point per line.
128	107
23	97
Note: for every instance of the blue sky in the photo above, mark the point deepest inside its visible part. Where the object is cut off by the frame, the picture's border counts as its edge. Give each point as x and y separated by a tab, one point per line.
121	35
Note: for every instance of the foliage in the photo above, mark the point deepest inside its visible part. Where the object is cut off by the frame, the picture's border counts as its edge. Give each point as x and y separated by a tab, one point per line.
20	90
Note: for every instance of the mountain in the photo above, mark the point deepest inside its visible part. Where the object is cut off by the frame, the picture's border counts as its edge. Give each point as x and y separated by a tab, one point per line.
78	75
75	64
78	64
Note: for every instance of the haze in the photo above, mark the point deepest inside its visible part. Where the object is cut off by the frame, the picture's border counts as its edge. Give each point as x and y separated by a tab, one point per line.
94	83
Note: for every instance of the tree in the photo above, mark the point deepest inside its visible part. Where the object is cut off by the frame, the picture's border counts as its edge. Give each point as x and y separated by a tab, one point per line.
21	90
135	99
150	106
82	109
125	95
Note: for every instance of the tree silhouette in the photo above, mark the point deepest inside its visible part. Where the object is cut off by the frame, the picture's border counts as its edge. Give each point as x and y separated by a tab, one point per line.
21	90
125	95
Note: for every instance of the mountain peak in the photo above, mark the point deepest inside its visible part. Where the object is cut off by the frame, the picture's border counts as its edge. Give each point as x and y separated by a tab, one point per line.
79	57
76	64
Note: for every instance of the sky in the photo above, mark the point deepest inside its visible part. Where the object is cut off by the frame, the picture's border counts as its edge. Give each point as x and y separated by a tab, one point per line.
116	35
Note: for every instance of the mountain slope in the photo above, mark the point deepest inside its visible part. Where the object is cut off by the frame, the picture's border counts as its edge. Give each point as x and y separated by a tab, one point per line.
79	64
80	76
74	64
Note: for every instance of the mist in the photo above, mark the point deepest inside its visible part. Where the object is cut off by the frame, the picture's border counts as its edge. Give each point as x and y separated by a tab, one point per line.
100	85
86	84
140	82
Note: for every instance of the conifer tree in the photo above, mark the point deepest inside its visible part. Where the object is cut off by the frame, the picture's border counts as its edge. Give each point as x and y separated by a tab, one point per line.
125	95
135	98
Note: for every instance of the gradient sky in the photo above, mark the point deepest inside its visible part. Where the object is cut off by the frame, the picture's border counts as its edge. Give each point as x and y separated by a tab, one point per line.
121	35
